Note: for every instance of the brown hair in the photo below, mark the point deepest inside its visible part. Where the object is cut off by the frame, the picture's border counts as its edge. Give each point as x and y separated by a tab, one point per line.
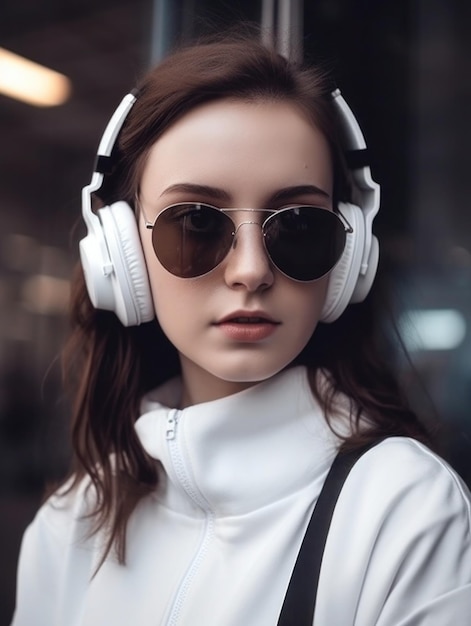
110	367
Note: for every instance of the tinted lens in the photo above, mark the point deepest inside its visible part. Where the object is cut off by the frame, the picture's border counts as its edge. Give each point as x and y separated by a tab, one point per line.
305	242
191	239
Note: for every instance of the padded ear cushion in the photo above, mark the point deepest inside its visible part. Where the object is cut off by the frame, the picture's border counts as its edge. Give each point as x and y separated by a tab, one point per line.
365	281
132	295
343	278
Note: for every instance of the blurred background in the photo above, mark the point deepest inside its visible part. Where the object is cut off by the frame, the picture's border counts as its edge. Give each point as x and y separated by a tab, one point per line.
404	68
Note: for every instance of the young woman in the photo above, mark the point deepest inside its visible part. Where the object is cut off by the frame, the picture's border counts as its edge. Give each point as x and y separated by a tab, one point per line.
218	369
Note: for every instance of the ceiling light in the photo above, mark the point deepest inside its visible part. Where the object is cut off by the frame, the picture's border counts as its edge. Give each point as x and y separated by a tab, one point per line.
30	82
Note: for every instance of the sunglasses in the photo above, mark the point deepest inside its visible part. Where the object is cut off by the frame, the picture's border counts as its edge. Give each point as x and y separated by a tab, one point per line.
303	242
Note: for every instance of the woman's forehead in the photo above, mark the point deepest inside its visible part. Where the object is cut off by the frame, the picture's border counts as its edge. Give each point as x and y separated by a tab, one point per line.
229	143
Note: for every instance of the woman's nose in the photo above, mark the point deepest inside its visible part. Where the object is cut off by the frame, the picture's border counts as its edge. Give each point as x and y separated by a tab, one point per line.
247	263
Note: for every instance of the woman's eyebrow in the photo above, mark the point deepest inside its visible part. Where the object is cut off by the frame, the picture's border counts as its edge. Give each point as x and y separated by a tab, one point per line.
298	190
198	190
216	193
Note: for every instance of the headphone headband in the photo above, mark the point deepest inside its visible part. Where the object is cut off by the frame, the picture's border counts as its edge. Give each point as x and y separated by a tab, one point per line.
354	147
356	152
103	159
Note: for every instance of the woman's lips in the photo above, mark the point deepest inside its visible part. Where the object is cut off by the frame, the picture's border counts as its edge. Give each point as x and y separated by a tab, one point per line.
247	328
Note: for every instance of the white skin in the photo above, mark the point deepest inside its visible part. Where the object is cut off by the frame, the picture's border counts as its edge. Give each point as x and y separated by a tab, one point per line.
245	154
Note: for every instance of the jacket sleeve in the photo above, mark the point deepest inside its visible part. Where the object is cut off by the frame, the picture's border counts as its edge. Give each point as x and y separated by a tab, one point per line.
399	547
39	568
50	553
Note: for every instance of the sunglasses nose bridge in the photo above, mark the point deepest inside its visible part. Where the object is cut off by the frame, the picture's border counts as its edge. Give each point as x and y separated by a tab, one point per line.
246	223
237	228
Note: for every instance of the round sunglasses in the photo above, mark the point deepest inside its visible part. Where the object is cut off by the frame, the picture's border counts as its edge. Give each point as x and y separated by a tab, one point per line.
303	242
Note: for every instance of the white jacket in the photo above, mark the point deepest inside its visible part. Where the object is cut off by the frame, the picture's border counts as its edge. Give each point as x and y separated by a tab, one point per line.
216	544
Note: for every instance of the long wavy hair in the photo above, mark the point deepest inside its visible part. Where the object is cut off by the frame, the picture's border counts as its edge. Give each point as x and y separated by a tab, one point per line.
108	367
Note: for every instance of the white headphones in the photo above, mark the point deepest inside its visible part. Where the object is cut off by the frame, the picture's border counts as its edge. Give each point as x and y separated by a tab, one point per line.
113	261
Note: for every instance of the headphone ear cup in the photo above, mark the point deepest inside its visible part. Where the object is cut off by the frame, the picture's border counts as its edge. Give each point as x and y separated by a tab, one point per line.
124	287
344	277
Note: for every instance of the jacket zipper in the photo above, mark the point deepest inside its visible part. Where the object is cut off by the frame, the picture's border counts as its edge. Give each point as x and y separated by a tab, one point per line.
171	430
185	480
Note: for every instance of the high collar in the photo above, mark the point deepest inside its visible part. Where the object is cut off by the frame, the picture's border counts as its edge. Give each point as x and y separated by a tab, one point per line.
236	454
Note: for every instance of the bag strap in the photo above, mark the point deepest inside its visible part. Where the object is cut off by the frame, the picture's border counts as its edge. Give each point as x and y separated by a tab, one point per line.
300	600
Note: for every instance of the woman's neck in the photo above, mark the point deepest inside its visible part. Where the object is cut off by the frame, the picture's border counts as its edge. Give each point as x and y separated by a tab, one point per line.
199	385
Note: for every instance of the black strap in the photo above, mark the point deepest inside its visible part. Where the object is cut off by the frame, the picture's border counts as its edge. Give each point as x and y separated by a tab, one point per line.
300	600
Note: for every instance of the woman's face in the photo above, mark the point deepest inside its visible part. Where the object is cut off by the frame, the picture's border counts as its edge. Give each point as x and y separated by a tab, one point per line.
240	155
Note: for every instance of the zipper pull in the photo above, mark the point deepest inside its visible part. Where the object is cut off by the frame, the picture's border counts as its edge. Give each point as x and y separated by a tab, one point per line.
171	430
